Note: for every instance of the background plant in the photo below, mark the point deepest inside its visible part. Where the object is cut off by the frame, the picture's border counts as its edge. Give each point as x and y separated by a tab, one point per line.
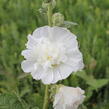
19	17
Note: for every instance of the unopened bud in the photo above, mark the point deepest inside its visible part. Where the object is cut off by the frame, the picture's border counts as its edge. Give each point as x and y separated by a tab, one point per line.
58	19
46	3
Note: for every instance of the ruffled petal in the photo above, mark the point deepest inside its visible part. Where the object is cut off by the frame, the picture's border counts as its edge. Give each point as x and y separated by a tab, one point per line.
38	73
32	42
60	34
41	32
76	64
65	70
57	75
27	54
48	78
27	66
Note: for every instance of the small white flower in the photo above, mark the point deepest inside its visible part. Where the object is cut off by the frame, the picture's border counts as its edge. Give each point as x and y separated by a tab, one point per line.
52	54
68	98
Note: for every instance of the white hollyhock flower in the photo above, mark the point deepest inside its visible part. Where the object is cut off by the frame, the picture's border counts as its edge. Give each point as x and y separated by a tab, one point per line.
52	54
68	98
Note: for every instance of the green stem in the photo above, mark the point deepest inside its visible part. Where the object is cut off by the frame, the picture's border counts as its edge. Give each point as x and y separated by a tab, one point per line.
45	105
49	14
46	98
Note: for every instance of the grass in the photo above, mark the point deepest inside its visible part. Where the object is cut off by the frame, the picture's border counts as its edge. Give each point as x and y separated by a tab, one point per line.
20	17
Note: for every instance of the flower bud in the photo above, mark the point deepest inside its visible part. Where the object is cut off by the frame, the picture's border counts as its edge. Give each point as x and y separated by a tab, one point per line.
58	19
68	98
53	3
46	3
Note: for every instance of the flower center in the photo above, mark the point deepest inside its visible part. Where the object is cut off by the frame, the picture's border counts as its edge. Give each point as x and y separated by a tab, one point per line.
50	54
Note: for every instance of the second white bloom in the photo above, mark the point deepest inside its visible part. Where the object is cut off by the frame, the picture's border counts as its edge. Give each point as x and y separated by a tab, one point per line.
68	98
52	54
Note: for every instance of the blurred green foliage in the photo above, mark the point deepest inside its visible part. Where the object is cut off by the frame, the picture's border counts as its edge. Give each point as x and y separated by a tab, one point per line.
20	17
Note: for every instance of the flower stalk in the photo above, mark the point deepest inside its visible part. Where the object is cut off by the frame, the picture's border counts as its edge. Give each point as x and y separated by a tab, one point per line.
49	14
46	98
45	105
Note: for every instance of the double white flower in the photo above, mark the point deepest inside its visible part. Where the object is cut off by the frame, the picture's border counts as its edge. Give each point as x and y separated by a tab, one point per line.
68	98
51	54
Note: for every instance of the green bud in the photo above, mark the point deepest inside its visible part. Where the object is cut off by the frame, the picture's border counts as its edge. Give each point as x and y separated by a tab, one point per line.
48	1
53	3
58	19
42	11
45	4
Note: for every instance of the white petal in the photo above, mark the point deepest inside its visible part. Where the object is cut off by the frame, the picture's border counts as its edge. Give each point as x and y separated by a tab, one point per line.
27	54
36	36
64	36
60	106
76	64
65	70
68	98
74	53
27	66
75	60
69	107
38	73
58	96
41	32
48	78
57	75
70	42
58	101
60	33
31	42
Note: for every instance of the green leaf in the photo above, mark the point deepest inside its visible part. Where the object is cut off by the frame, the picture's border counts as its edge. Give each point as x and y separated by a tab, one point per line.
10	101
91	81
98	83
37	100
69	24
